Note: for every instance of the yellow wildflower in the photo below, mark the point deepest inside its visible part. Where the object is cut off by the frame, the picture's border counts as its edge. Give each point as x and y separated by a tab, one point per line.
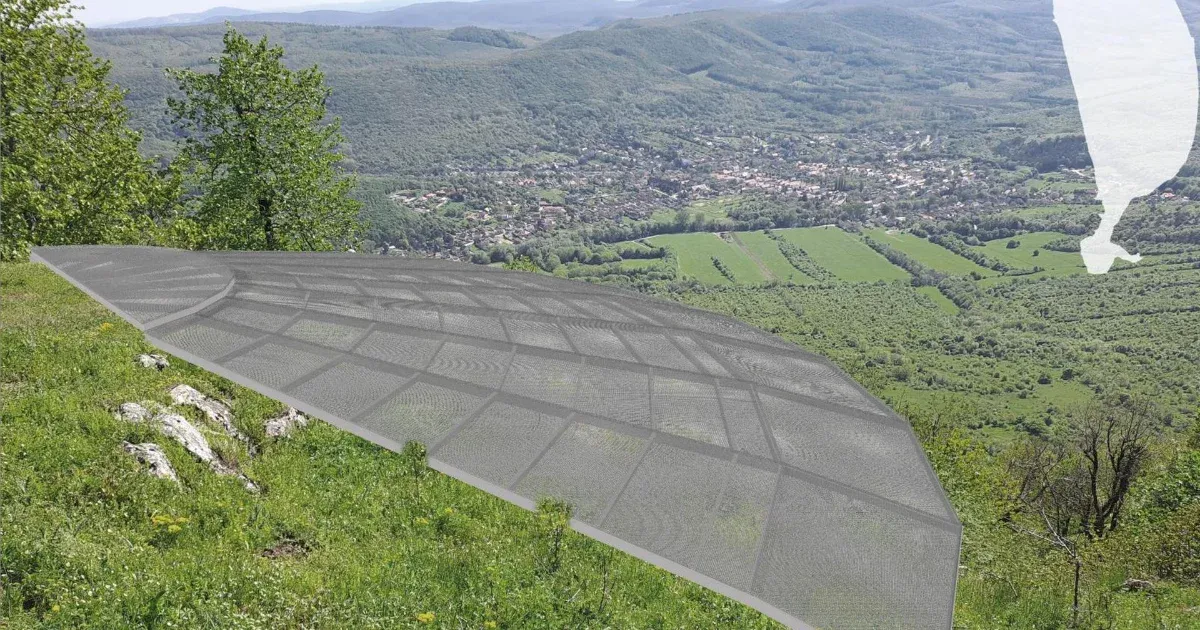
105	327
55	608
425	617
489	624
421	520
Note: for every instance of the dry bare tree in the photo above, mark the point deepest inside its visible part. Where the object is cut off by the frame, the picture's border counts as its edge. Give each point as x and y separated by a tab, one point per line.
1072	489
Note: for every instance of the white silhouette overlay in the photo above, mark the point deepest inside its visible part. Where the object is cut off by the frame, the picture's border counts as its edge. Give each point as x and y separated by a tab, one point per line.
1133	64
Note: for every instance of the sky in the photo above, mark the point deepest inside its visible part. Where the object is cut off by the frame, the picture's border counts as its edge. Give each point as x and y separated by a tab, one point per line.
100	12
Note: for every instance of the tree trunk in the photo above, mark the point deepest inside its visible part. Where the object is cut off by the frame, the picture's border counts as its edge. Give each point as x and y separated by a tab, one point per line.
264	211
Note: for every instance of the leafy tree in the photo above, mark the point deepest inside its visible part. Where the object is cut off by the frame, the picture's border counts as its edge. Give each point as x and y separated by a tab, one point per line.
71	171
261	155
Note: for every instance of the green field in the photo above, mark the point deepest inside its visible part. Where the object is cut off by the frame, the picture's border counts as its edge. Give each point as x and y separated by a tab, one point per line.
1056	181
639	263
942	301
765	252
695	252
929	254
843	254
1053	263
710	209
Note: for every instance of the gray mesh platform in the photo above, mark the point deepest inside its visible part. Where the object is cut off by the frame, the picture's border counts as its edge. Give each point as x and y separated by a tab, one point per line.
712	449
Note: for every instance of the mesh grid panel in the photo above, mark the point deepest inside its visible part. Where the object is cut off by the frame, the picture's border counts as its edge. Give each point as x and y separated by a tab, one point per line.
206	341
615	394
422	412
423	317
541	378
325	333
723	453
688	409
411	351
741	417
258	318
836	561
275	365
501	302
474	364
669	506
541	334
796	375
586	467
597	341
655	348
346	389
866	454
500	442
473	325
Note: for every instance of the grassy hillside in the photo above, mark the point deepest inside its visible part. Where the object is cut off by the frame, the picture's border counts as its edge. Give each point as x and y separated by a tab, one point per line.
342	536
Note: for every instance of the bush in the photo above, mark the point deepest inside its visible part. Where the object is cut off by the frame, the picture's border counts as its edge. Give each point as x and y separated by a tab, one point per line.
1175	550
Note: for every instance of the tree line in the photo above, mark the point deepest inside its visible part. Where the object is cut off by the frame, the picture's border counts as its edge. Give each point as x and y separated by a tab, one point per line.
258	165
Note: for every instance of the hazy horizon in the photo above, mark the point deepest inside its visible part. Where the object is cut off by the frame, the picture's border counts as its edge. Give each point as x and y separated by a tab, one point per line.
104	12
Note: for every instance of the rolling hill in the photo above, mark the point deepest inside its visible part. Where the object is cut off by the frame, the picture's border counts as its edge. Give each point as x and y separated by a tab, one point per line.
420	99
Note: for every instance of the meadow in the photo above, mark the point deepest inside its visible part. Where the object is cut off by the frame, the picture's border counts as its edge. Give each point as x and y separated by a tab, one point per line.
843	254
695	253
927	253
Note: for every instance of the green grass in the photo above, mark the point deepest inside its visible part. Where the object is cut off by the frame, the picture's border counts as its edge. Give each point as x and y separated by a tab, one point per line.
695	252
939	299
639	263
764	250
1052	262
843	254
929	254
710	209
1056	181
81	548
552	195
1037	212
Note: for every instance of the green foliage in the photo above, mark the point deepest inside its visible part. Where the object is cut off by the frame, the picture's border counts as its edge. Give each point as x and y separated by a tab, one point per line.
522	263
71	171
485	36
1174	549
554	518
261	155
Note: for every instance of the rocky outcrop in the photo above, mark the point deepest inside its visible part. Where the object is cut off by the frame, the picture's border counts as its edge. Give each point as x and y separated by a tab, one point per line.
179	429
284	425
156	361
216	412
153	457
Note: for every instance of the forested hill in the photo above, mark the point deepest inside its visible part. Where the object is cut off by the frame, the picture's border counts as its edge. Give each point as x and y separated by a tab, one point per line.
418	99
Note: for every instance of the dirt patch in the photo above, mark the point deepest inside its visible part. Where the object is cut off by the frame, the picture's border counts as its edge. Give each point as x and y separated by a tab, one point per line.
286	548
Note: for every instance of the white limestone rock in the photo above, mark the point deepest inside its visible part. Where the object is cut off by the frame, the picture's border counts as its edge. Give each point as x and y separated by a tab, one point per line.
215	411
153	457
285	424
179	429
156	361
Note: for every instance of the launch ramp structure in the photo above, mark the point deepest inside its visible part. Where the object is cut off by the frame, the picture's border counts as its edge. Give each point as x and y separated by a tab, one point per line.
707	447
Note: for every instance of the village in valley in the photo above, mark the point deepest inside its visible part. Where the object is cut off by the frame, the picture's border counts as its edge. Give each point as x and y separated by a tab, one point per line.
881	179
